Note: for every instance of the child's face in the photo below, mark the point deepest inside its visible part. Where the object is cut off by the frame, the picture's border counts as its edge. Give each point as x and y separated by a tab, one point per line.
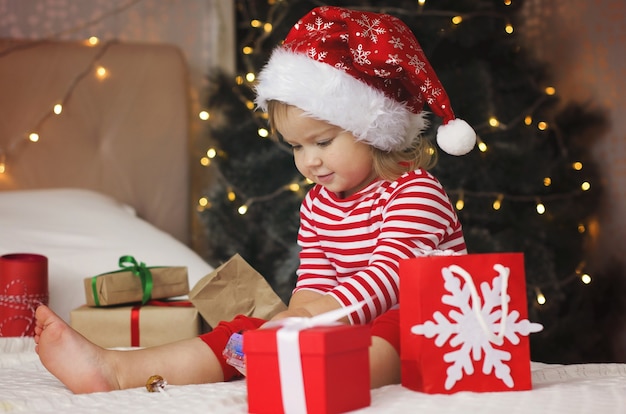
326	154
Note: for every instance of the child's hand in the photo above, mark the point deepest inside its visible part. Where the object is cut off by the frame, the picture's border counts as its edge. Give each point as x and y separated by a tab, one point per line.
307	304
291	313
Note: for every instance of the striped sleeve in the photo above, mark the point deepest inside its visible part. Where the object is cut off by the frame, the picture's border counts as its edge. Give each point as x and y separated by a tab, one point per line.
316	271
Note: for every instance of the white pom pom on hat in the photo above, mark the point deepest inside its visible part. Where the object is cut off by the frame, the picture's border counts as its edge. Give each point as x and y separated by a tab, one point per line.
456	137
364	72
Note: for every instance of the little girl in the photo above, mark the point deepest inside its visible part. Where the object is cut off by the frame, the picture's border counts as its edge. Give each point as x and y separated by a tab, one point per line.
345	91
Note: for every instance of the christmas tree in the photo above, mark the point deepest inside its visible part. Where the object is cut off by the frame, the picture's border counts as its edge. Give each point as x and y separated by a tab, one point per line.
530	185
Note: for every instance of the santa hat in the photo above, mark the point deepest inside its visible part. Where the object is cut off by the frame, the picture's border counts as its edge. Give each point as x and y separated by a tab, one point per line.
364	72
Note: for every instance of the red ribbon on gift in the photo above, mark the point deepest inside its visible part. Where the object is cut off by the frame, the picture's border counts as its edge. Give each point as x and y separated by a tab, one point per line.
134	316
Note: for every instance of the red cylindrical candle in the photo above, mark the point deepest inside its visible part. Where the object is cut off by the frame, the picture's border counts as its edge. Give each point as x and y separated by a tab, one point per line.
23	286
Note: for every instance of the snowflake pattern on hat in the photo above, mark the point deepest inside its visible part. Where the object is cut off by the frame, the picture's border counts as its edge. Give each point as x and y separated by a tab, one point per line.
394	79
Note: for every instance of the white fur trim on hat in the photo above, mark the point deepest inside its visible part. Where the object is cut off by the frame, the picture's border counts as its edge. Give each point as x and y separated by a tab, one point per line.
332	95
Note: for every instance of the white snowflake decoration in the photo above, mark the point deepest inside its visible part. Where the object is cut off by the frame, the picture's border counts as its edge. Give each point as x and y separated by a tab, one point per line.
360	55
396	42
475	327
419	64
319	26
371	28
393	60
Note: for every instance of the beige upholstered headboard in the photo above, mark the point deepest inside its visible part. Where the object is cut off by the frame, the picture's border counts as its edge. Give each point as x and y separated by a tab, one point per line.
124	132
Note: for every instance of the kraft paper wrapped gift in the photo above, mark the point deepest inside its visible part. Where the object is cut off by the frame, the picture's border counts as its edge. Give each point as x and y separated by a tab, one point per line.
140	325
234	288
328	374
463	323
135	282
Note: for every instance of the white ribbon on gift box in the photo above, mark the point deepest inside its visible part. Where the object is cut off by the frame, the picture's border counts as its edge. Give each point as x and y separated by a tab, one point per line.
503	272
288	348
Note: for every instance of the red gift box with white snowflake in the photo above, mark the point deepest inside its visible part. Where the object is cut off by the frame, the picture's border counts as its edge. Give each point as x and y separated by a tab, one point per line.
464	323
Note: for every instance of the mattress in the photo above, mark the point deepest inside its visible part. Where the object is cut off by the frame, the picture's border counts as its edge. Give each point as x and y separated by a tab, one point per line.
26	386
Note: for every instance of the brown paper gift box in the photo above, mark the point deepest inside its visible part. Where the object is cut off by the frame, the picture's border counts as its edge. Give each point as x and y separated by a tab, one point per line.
234	288
123	287
126	326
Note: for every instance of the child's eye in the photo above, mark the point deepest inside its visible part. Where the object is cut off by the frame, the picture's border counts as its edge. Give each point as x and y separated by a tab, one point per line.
324	143
295	147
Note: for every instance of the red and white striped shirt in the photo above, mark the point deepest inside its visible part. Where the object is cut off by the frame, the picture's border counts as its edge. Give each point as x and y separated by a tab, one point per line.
352	247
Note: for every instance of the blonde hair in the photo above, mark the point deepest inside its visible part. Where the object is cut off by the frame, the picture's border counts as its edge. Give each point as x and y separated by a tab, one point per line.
388	165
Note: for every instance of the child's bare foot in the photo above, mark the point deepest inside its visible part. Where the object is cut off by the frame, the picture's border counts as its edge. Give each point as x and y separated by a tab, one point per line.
69	356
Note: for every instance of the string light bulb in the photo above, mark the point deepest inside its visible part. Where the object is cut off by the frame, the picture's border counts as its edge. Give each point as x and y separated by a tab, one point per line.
541	299
497	204
482	147
102	72
541	209
33	136
243	209
460	203
57	109
203	201
263	132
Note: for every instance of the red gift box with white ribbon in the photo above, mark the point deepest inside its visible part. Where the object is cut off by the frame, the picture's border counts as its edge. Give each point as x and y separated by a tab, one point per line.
320	369
463	323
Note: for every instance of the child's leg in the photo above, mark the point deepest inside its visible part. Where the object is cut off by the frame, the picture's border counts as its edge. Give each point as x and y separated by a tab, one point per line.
85	367
385	350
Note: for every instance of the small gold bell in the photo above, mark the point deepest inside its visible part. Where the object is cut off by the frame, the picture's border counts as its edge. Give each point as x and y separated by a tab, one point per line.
155	383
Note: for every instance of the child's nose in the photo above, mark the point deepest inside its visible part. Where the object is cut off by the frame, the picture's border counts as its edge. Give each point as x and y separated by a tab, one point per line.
312	159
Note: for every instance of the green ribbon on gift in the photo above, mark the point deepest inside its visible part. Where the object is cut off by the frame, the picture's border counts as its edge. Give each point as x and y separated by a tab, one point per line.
129	264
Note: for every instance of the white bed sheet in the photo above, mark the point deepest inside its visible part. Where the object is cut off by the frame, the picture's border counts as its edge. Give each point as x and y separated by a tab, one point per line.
83	233
25	386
